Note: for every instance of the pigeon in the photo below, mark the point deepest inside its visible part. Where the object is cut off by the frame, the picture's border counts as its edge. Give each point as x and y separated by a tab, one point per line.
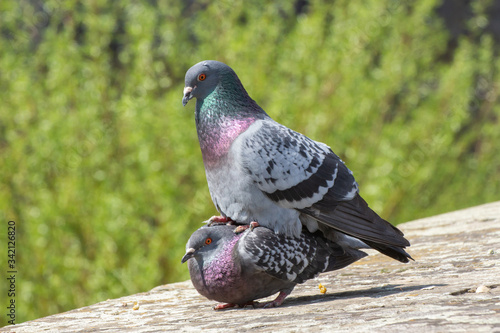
259	171
238	268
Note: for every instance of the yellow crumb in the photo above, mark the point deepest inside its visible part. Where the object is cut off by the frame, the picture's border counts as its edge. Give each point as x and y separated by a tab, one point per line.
136	306
322	288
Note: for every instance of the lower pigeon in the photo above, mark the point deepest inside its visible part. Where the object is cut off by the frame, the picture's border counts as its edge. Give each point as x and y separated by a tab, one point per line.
237	268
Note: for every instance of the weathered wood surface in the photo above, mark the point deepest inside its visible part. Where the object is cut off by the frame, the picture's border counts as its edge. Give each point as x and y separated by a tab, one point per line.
453	286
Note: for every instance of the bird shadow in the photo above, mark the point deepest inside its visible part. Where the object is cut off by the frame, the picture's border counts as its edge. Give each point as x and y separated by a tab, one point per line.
374	292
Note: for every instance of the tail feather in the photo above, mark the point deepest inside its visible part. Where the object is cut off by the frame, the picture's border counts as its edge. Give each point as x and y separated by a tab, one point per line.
345	260
394	252
356	219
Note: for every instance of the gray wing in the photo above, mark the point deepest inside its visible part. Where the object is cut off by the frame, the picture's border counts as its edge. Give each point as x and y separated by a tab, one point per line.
297	172
293	170
293	259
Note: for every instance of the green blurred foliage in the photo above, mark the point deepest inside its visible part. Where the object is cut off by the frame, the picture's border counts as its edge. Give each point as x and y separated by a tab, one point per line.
100	164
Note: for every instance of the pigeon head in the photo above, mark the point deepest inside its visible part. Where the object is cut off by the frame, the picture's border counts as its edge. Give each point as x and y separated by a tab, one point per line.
206	241
203	78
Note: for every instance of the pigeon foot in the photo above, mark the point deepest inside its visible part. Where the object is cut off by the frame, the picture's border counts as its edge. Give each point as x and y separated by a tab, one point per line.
223	306
219	220
244	227
273	304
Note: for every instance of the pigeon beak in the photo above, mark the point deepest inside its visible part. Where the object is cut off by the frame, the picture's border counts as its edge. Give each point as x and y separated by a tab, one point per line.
187	95
189	254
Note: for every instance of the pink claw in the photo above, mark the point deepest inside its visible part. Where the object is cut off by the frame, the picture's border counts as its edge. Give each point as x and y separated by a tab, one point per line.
244	227
223	306
219	220
277	302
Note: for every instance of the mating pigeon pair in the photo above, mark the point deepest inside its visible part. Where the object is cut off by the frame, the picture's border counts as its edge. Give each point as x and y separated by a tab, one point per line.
261	172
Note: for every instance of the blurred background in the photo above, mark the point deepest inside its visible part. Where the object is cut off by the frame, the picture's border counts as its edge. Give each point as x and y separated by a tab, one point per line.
100	164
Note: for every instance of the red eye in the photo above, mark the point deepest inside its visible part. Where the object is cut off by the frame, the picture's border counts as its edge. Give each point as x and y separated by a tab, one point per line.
202	77
208	241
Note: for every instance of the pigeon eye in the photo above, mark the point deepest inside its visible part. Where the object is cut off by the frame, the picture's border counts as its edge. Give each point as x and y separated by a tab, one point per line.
208	241
202	77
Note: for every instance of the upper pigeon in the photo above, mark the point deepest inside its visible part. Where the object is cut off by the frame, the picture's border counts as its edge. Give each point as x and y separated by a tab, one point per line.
261	171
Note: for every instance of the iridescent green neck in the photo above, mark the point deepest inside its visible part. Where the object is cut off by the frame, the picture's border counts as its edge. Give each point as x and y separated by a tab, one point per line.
222	116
